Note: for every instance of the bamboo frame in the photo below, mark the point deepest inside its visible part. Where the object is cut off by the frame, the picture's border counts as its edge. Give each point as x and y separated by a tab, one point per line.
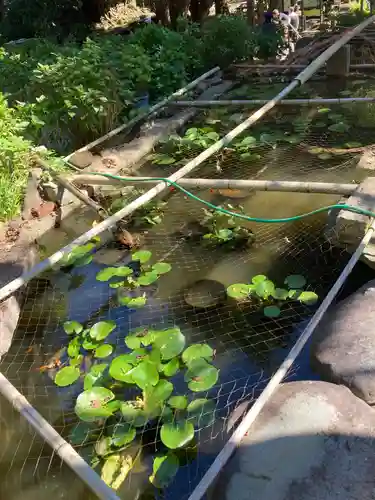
258	102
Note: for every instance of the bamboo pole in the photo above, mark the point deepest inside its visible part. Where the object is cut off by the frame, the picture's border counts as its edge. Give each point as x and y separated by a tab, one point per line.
258	102
154	109
65	451
251	185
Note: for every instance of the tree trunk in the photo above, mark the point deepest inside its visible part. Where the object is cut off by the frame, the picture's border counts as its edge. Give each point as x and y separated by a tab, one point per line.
221	7
199	9
2	10
250	12
178	8
162	12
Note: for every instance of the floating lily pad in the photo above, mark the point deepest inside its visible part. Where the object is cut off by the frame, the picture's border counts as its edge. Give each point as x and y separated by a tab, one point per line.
294	294
74	347
197	351
170	342
123	434
77	361
120	368
81	434
67	376
171	368
201	412
259	278
309	298
239	291
340	127
103	351
155	396
145	374
92	404
133	341
295	281
148	278
102	329
265	289
272	311
133	302
177	434
201	376
133	414
280	294
106	274
324	110
164	470
94	376
204	294
163	159
72	327
89	344
178	402
142	256
161	268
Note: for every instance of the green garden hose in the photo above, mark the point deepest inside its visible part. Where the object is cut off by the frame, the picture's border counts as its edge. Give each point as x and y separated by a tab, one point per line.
337	206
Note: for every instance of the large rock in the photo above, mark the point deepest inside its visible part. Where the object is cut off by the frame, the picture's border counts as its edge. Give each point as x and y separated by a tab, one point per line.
343	348
312	441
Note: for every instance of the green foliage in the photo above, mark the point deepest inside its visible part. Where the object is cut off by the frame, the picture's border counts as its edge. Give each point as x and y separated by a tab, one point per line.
143	369
264	291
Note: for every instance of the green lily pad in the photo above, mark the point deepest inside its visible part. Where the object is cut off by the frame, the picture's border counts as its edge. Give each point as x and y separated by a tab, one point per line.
142	256
117	284
106	274
272	311
103	446
340	127
201	412
102	329
77	361
145	374
67	376
120	368
155	396
164	470
197	351
280	294
265	289
148	278
133	302
177	434
170	342
259	278
324	110
71	327
92	404
161	268
103	351
163	159
133	414
123	434
178	402
171	368
309	298
294	294
201	376
94	376
239	291
111	468
89	344
74	347
81	434
295	281
133	341
83	261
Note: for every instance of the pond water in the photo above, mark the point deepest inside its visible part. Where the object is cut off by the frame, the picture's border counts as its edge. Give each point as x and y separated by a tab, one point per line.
249	346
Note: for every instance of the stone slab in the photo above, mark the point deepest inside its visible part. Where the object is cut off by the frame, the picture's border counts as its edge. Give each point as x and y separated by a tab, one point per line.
312	441
339	64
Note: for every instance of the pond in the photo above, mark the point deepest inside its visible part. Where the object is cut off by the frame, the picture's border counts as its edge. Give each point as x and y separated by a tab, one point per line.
238	293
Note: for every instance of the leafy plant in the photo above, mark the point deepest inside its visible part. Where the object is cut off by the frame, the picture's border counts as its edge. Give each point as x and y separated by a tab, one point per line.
222	229
150	214
144	275
268	295
154	357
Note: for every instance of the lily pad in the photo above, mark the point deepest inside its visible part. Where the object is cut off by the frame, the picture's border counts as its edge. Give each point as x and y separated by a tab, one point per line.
178	402
272	311
324	110
133	414
77	361
280	294
155	396
91	404
148	278
170	342
161	267
94	376
197	351
171	368
142	256
309	298
201	376
164	470
133	341
201	412
145	374
81	434
294	294
265	289
103	351
67	376
259	278
106	274
123	434
340	127
102	329
89	344
295	281
72	327
163	159
239	291
133	302
177	434
74	347
120	368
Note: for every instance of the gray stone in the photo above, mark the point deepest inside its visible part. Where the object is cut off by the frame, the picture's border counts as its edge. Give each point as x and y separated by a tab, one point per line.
81	159
343	348
312	441
367	161
339	63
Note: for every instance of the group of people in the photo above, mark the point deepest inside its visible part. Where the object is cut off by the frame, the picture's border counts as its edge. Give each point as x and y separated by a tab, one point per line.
285	22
